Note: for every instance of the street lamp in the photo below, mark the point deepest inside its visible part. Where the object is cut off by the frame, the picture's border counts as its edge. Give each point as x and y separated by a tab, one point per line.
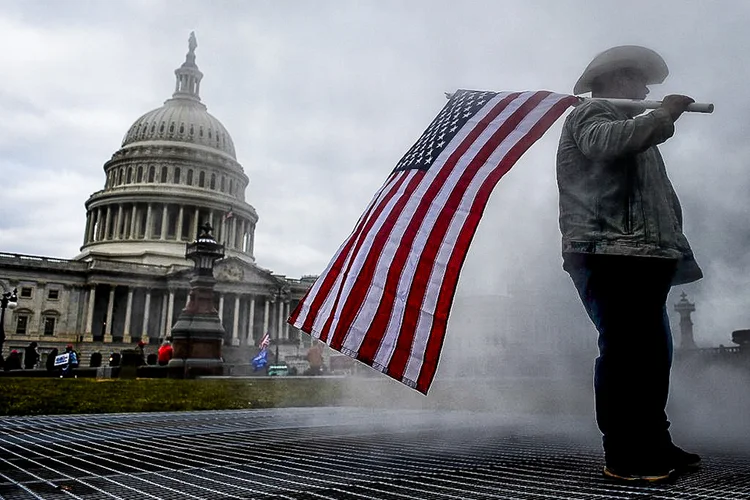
9	301
279	294
198	333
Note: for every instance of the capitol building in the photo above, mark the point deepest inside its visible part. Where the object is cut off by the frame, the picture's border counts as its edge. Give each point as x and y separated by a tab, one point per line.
175	170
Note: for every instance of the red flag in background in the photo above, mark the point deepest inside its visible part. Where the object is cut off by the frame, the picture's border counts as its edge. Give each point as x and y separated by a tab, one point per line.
385	297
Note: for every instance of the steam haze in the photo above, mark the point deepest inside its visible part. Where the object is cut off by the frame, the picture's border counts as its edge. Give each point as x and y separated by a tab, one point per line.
323	98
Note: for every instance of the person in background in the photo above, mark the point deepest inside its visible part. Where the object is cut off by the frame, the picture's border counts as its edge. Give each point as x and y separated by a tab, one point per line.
140	351
50	362
31	356
67	370
13	361
165	353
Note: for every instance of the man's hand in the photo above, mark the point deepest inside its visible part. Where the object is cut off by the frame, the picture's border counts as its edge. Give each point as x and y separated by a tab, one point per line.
676	104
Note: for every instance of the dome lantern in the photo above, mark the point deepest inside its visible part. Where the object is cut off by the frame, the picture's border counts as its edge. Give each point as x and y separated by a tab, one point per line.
188	75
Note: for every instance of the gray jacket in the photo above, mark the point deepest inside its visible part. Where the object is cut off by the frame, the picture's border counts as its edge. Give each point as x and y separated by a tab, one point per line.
615	196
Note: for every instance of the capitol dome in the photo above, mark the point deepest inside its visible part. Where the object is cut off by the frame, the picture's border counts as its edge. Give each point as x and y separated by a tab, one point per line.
175	170
183	118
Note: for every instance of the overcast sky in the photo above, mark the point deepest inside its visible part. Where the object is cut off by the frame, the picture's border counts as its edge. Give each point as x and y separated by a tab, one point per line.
323	98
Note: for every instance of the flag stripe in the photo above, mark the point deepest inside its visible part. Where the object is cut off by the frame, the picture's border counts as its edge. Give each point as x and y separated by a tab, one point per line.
320	289
423	270
436	337
363	267
428	313
376	260
403	267
385	297
348	279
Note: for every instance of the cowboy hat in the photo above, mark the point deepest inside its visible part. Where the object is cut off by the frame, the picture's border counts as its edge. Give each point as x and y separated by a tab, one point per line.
645	60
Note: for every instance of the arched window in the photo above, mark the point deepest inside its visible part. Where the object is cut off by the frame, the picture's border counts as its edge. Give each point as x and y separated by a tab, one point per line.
177	175
122	176
151	173
202	179
130	175
223	186
50	318
23	318
213	181
164	173
139	175
231	187
190	177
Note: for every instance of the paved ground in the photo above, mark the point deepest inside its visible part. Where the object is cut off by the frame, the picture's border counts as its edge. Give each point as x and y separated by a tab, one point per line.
326	453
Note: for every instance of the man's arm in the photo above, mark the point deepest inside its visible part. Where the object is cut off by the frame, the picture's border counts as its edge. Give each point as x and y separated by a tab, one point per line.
601	134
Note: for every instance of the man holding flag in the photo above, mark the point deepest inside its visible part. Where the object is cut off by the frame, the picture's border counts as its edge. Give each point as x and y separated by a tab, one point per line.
623	247
385	296
260	361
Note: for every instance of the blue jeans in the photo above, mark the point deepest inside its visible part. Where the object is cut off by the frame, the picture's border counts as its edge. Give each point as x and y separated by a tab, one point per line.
625	297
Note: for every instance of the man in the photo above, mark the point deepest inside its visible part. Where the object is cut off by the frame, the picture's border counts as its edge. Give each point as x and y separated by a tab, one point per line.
31	356
165	353
623	247
67	369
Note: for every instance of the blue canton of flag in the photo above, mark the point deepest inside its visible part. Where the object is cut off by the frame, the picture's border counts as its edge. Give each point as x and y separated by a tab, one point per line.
463	105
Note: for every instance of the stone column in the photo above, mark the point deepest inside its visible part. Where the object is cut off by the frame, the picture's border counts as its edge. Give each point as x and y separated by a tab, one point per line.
133	219
163	318
107	223
92	230
101	224
170	312
251	322
280	326
178	229
251	240
119	225
164	211
287	306
144	328
87	232
88	334
110	308
221	308
196	223
236	322
128	313
266	314
149	230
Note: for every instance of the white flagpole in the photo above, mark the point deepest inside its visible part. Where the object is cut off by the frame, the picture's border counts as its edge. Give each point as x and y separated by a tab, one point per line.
696	107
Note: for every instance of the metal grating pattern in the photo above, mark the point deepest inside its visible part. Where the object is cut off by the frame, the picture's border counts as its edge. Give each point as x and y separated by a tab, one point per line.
323	453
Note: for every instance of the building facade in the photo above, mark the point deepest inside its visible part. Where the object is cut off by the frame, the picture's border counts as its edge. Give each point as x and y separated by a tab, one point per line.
176	169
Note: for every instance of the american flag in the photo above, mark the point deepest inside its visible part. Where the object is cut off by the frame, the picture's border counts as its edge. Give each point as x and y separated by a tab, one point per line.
386	295
265	341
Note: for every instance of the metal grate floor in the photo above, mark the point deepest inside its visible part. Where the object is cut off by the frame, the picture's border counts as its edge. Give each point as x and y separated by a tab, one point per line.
324	453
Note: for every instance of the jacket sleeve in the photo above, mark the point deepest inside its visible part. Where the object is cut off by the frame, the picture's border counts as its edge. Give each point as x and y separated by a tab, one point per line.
603	135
